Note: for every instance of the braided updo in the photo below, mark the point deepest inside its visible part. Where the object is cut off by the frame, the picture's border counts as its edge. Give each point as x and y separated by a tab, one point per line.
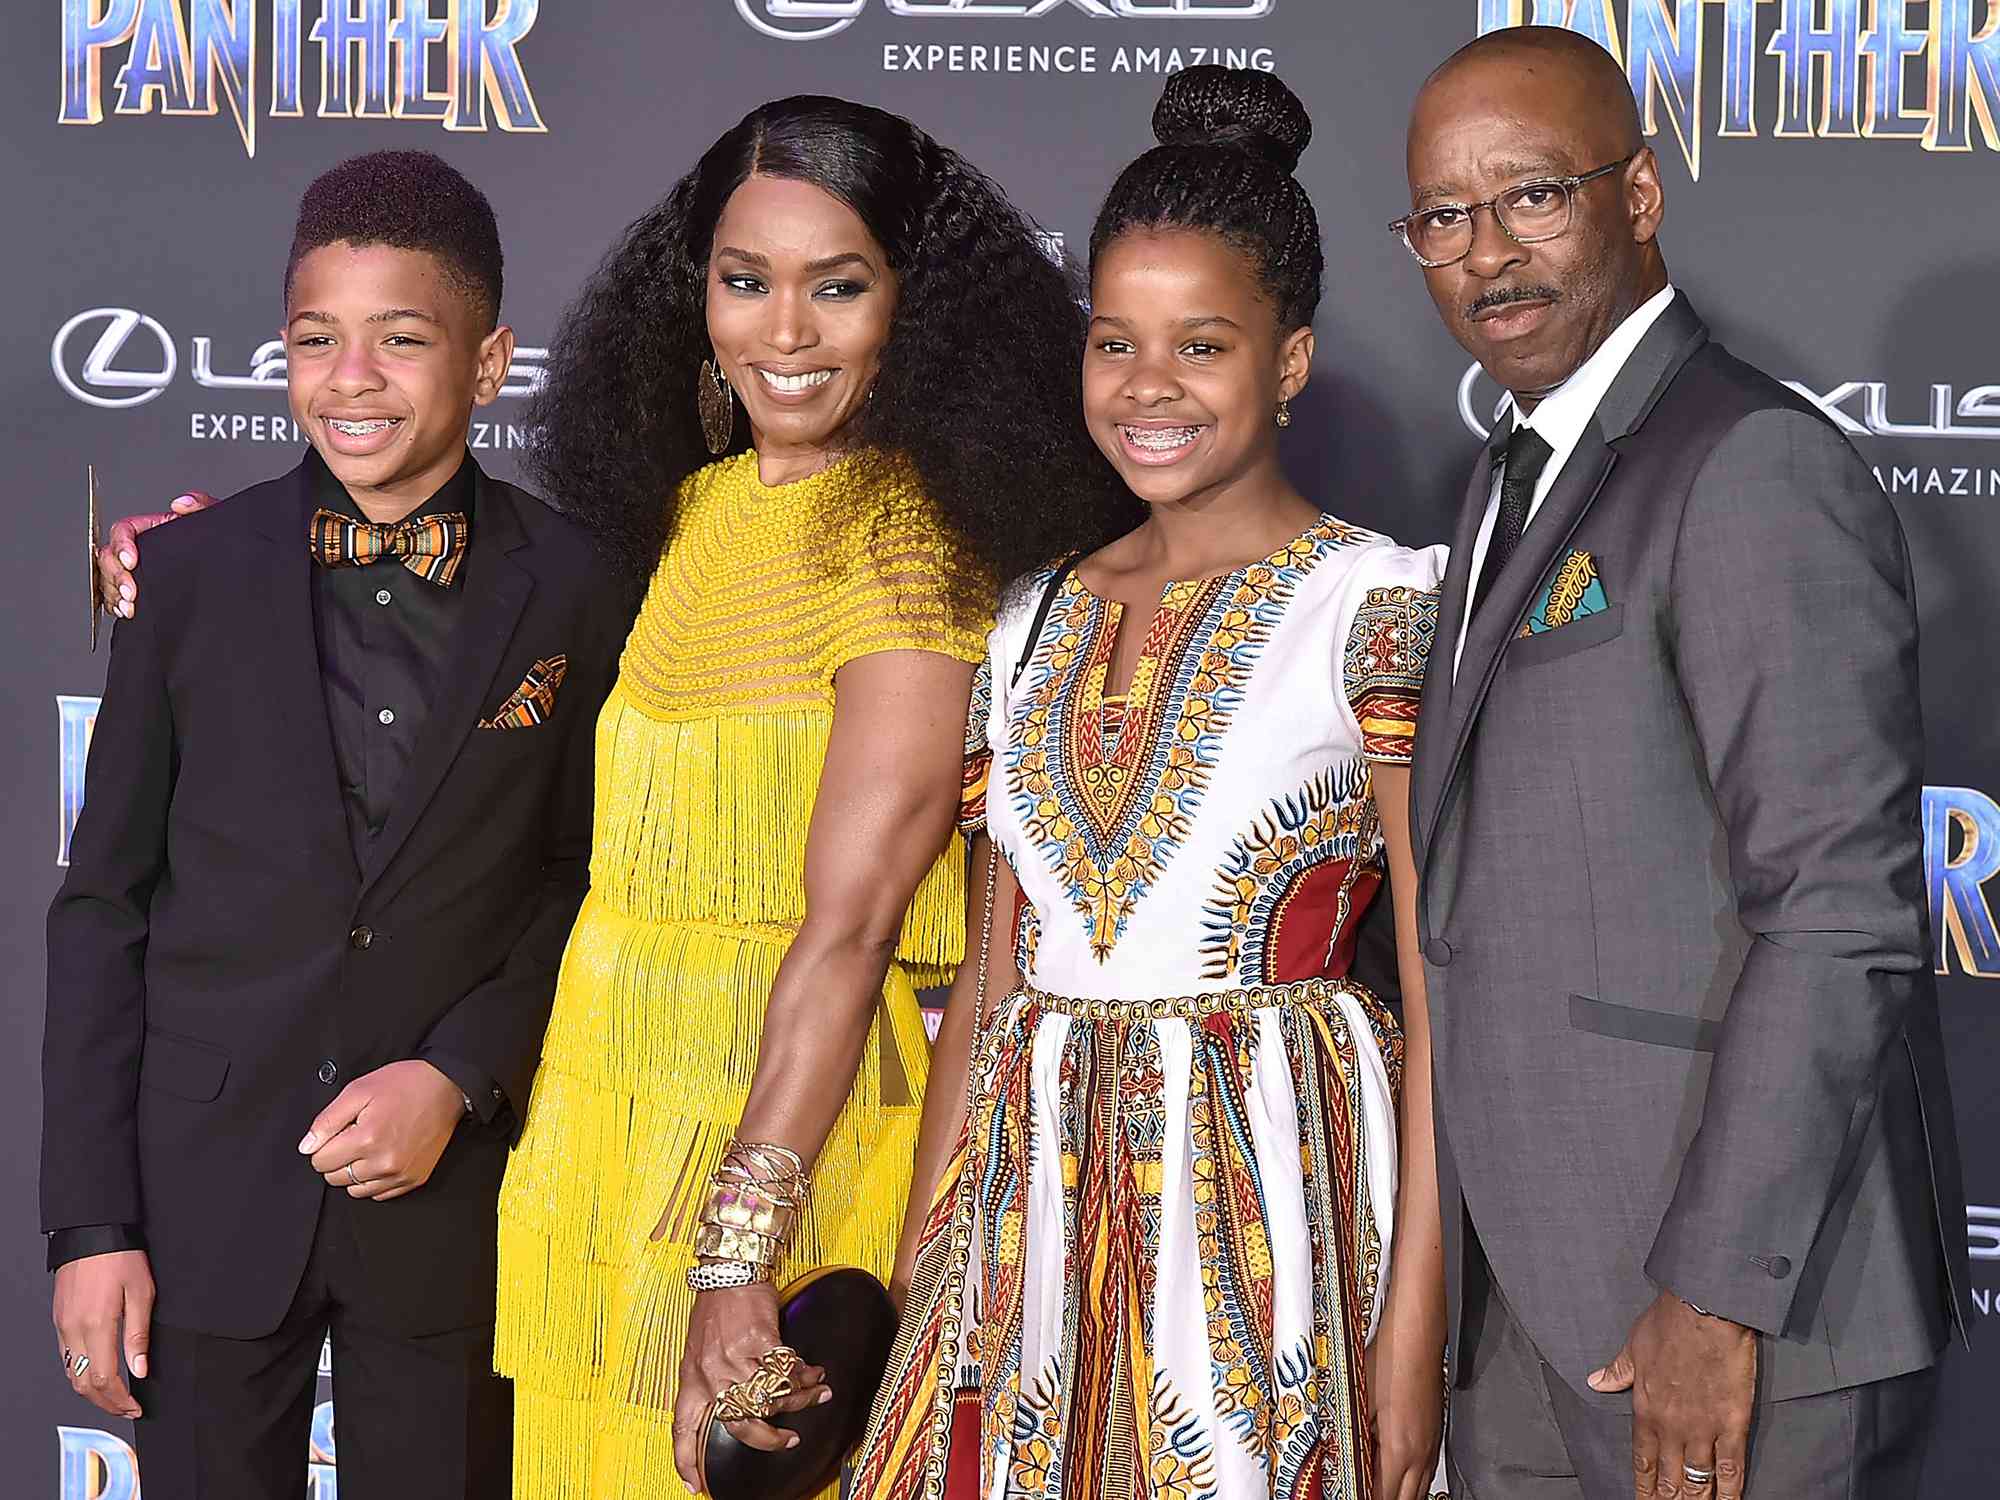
1229	141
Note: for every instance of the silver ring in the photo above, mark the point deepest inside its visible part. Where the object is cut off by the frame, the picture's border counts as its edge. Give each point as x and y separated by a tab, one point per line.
1697	1476
82	1364
69	1359
352	1180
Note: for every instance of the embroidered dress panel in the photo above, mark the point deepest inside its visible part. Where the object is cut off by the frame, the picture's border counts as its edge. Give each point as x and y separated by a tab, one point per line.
709	752
1152	1271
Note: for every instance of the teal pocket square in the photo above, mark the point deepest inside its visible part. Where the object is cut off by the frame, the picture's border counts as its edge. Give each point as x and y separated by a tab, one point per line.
1573	591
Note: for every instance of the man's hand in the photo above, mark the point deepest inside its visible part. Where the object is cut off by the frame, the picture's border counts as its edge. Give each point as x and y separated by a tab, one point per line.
95	1296
1693	1380
116	587
383	1135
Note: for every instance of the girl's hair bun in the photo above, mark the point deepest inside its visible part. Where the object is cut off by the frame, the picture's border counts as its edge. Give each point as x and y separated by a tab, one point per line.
1246	108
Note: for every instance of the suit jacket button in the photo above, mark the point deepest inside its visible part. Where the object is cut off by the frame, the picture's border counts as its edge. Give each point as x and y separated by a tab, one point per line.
361	937
1438	951
328	1072
1780	1266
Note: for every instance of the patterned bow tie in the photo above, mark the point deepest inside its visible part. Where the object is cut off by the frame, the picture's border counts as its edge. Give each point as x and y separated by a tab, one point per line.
431	547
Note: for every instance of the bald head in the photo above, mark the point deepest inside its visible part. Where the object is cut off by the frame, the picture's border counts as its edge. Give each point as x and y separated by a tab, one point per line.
1526	147
1557	73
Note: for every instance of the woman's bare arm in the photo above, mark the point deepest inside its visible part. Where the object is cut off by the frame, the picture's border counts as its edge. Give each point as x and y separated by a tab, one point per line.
945	1098
1408	1368
888	798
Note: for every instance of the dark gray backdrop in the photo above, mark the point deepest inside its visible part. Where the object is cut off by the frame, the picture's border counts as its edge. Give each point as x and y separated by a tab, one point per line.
1831	171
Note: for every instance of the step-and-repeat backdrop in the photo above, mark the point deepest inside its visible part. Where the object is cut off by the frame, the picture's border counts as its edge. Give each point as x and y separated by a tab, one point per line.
1833	174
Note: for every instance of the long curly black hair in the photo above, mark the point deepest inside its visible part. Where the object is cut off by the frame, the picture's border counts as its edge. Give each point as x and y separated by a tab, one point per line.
1229	141
978	389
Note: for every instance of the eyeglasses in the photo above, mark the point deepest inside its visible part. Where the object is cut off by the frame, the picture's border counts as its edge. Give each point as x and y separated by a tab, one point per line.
1529	214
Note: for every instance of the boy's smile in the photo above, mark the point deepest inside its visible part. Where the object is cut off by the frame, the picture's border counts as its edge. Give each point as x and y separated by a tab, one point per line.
387	354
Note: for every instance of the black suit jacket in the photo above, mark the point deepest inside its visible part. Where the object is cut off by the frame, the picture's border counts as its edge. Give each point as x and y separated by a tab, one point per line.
221	964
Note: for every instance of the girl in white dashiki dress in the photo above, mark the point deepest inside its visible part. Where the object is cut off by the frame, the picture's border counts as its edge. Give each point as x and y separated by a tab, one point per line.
1186	1146
1153	1266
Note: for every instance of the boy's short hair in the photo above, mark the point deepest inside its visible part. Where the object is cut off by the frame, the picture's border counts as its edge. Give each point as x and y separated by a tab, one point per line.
410	200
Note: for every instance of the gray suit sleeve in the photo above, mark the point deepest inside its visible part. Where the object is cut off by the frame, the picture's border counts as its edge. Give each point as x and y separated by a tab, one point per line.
1795	634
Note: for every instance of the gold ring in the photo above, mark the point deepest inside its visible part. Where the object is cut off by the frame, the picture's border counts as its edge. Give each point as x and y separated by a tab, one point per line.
781	1361
744	1401
740	1403
755	1398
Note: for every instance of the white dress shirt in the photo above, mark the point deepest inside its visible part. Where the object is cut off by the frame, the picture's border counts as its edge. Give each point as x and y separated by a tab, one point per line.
1560	417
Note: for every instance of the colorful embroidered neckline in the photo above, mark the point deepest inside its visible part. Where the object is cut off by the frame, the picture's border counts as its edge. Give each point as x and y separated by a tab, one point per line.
1107	813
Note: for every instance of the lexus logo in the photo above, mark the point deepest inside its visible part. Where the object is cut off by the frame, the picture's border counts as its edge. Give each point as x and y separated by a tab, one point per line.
812	19
1469	404
823	17
1859	408
100	371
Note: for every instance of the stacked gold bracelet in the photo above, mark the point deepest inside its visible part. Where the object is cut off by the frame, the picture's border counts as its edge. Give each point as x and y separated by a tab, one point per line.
752	1207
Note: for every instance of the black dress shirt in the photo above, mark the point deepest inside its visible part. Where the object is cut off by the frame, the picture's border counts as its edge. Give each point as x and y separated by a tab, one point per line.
385	642
385	639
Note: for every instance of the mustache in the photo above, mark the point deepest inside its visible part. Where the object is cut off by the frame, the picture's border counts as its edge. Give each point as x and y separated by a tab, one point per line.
1500	296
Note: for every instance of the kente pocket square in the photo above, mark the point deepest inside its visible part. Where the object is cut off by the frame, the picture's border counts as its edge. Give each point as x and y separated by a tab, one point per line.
534	700
1573	591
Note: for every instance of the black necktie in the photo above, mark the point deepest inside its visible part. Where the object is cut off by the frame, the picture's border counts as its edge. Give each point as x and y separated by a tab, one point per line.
1528	452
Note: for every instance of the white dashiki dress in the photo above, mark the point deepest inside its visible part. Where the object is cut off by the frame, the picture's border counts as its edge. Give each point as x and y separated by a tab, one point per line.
1153	1266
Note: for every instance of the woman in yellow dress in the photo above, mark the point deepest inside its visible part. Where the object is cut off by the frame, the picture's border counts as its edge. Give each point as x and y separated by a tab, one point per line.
774	871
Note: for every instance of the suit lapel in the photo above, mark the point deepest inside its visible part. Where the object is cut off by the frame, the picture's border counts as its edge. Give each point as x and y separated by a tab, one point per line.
1513	589
1667	346
281	651
497	589
1428	772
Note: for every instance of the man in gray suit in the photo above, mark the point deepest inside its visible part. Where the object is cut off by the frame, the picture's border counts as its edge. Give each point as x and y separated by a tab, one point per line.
1702	1201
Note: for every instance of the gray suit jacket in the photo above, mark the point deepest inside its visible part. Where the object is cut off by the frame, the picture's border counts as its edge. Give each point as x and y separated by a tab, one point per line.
1672	895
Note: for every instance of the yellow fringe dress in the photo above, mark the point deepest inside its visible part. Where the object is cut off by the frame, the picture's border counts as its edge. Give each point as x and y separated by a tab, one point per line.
709	753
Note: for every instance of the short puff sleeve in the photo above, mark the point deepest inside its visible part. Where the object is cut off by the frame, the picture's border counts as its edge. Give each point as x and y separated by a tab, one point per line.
1024	610
978	752
1393	621
895	589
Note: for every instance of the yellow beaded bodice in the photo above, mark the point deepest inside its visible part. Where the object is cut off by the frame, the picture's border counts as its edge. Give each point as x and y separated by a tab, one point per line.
710	747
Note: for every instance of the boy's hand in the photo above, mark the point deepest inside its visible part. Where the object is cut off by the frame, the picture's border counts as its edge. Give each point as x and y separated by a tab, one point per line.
119	555
94	1297
382	1137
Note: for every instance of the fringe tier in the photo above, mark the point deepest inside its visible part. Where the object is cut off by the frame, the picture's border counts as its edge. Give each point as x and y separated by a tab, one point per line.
697	890
632	1107
703	819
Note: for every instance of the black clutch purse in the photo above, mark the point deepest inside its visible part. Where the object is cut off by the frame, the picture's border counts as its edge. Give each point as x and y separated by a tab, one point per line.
842	1320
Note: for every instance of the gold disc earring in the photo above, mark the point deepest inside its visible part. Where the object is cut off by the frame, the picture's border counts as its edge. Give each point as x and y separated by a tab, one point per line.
717	404
1284	413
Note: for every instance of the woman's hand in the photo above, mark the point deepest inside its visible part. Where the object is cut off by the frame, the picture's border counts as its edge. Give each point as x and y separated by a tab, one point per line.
1406	1386
117	589
728	1333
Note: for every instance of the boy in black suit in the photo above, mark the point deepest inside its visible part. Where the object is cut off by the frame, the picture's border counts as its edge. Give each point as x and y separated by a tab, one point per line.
338	828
